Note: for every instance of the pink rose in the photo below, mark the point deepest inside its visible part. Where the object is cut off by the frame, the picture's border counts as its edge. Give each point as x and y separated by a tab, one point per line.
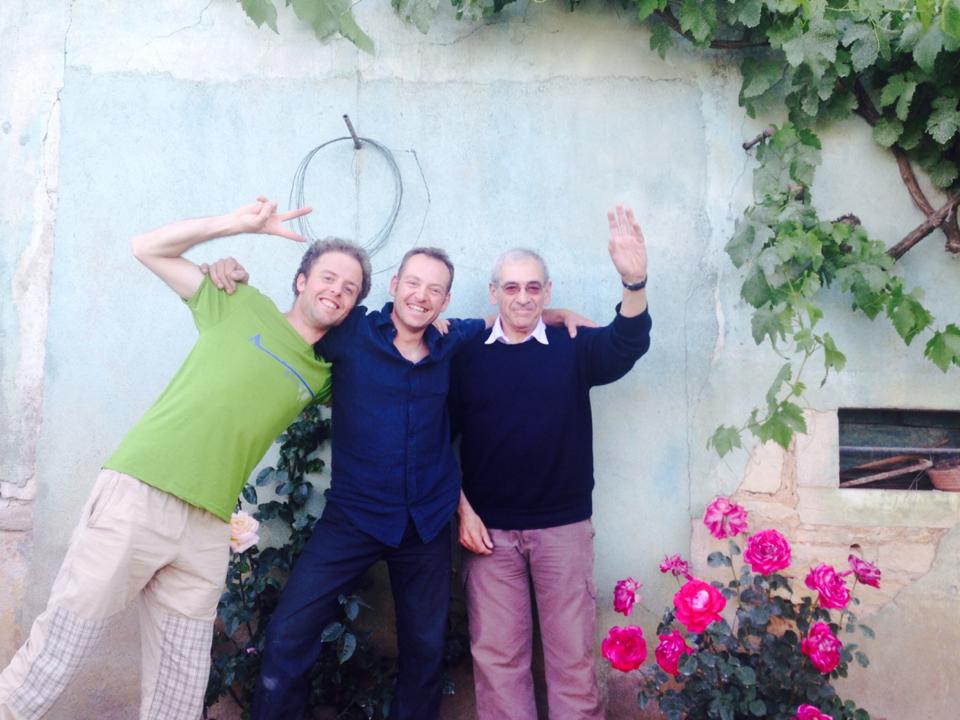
676	565
822	647
724	518
698	604
672	647
866	572
767	552
625	594
243	531
625	648
809	712
834	592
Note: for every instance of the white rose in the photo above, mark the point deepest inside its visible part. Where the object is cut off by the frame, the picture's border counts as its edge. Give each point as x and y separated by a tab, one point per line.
243	531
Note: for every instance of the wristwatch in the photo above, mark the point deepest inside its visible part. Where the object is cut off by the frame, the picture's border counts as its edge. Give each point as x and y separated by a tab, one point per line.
635	286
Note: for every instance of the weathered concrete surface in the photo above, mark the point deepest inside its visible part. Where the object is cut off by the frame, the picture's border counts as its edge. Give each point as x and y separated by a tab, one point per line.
122	115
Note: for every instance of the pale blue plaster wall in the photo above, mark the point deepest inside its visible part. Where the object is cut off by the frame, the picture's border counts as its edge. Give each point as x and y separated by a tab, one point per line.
525	131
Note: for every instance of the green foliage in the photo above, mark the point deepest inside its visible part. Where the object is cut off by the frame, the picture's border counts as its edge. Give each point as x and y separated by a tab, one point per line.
788	257
325	17
350	676
754	668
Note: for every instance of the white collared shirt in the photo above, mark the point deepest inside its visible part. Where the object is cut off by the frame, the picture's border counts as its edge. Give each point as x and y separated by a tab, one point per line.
497	335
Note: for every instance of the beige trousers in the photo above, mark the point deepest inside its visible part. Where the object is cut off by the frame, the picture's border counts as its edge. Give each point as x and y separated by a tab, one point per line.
133	542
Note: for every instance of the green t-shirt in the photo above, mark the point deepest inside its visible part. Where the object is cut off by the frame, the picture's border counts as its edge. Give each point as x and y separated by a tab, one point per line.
248	376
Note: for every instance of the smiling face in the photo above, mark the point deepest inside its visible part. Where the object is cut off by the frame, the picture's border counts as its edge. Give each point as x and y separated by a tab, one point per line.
521	292
421	292
330	290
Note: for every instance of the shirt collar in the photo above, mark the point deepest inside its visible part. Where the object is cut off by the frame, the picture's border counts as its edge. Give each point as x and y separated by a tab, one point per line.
497	335
384	321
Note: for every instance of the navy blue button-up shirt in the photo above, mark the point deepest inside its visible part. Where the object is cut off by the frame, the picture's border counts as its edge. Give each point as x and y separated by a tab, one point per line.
391	458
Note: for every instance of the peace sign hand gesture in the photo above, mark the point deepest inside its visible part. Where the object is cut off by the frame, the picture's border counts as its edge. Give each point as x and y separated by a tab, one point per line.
262	217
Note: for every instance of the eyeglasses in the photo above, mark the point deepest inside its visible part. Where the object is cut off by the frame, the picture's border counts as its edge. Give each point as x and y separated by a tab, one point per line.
512	288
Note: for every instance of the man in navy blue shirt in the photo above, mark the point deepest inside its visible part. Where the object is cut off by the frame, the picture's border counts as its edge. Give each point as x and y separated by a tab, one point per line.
394	489
520	398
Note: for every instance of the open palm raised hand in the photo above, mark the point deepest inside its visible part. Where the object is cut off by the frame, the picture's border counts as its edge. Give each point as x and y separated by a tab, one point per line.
627	247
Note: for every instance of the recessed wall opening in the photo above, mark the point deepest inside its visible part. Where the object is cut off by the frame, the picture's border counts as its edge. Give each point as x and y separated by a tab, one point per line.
899	449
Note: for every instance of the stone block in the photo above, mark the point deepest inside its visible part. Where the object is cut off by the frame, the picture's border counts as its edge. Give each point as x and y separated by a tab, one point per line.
818	451
878	508
764	470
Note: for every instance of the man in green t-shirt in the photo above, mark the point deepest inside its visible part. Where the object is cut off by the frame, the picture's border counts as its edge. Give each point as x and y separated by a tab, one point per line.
156	527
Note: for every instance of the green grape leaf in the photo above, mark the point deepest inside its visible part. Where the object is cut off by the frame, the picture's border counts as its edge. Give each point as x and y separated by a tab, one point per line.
950	20
944	347
698	18
928	47
833	359
418	12
661	38
352	32
724	439
817	47
908	315
767	322
261	11
864	43
748	12
327	17
887	131
944	121
755	290
645	8
759	76
781	424
943	173
748	237
786	372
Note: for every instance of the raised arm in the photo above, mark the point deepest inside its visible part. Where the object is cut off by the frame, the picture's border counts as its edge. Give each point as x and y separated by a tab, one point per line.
629	254
161	250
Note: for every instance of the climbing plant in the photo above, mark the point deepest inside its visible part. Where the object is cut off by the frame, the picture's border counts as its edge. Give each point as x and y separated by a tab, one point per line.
893	63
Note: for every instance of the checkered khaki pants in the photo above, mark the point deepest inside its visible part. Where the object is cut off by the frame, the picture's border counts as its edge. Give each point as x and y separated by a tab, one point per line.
133	543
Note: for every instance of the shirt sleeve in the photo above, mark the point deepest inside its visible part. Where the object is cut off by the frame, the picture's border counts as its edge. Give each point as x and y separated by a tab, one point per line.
210	305
607	354
463	331
332	344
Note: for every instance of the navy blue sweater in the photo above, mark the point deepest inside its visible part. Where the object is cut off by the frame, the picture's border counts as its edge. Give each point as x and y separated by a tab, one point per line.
523	412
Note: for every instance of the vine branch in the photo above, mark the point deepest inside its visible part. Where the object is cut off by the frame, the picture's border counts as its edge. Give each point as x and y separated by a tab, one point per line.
946	219
947	213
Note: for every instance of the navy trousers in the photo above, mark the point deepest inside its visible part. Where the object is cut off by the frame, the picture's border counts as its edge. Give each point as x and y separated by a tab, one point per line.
334	559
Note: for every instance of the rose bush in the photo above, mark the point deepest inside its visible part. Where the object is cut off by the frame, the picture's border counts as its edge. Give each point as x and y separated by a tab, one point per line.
771	654
822	647
676	566
830	585
243	531
625	647
809	712
671	648
625	594
724	518
767	552
698	604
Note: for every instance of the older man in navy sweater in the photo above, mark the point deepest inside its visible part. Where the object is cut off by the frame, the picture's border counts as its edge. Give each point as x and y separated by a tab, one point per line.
520	398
